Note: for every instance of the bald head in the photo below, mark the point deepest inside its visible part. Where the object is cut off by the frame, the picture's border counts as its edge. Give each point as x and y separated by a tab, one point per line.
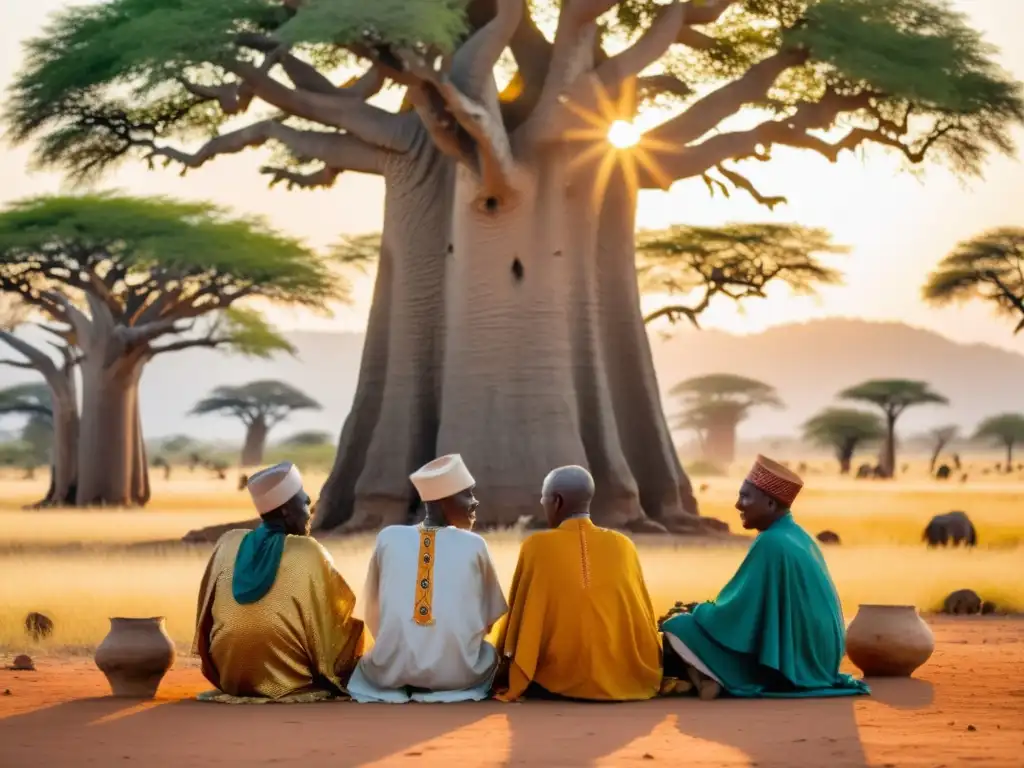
567	491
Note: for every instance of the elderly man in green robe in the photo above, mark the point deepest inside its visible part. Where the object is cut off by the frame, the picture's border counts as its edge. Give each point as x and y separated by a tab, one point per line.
776	629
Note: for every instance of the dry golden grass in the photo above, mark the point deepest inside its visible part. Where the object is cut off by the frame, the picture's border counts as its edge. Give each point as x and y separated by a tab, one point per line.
881	560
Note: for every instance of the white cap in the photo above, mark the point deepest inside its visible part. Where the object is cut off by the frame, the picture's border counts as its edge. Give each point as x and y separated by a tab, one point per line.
273	486
442	478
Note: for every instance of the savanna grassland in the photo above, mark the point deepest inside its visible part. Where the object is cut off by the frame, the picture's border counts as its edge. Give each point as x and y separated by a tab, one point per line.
81	567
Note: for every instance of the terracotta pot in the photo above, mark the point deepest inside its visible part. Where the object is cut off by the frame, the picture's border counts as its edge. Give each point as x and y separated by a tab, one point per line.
888	640
135	655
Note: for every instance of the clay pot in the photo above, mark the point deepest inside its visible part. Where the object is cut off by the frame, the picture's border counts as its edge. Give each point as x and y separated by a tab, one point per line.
135	655
888	640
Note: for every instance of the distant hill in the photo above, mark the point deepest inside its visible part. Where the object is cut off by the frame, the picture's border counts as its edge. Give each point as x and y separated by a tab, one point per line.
808	364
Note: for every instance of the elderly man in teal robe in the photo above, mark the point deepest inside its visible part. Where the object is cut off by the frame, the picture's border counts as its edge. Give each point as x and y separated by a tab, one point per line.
776	629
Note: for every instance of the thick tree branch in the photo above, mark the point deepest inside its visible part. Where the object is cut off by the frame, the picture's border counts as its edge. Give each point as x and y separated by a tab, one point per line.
699	12
653	85
670	163
586	101
322	178
346	111
708	112
672	313
572	55
742	182
146	332
692	38
473	64
494	161
439	124
77	319
337	149
650	47
36	358
233	98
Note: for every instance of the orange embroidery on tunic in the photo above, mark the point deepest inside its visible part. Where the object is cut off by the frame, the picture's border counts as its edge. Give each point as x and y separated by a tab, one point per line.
423	611
584	558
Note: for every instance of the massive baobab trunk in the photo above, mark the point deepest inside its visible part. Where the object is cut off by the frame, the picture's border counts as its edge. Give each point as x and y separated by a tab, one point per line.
538	309
255	442
392	427
64	480
64	414
111	456
720	446
112	467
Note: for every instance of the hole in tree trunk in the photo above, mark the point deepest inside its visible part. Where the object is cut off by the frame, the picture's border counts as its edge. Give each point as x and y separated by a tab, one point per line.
517	268
491	204
451	248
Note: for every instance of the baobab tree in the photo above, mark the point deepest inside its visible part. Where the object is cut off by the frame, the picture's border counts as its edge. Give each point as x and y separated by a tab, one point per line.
62	400
735	261
126	279
260	405
715	404
843	430
989	267
893	396
506	321
1007	429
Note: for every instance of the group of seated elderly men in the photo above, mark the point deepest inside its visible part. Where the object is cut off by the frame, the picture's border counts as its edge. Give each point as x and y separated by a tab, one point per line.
276	618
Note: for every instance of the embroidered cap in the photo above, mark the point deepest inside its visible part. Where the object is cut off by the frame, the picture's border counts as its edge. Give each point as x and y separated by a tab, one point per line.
273	486
442	477
777	481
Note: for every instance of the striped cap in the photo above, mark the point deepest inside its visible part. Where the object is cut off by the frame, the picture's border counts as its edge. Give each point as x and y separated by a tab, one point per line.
777	481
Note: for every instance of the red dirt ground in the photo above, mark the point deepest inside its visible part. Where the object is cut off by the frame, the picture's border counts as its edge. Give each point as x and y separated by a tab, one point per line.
965	708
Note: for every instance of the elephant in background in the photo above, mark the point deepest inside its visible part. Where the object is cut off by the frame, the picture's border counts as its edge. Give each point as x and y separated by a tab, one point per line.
953	527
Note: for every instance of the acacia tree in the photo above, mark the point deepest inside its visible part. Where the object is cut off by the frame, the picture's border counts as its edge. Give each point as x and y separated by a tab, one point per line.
736	261
843	430
715	404
893	396
940	438
308	438
35	401
1007	429
260	405
506	321
989	267
127	279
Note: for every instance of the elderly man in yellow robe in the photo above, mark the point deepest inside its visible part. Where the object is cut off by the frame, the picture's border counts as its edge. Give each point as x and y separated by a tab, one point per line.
275	616
432	596
580	623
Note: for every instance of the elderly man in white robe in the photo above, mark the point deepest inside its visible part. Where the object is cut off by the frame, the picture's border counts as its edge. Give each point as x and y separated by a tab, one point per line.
431	597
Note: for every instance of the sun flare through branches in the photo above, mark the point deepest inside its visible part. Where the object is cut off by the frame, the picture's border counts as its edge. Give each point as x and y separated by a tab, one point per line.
623	135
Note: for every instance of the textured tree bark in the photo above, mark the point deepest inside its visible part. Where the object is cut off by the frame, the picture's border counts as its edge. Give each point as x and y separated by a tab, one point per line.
523	349
666	494
392	427
65	451
111	455
887	459
255	442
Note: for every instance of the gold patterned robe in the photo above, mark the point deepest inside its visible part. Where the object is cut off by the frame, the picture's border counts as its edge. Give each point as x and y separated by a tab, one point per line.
299	637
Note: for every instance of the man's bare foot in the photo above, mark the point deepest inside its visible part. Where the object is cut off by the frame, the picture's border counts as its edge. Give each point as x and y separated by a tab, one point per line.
707	689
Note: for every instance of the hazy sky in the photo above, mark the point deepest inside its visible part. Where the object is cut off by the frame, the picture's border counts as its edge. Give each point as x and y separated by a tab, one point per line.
897	225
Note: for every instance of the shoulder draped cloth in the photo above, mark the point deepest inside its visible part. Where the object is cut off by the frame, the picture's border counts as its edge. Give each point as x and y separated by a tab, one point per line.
580	621
776	629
